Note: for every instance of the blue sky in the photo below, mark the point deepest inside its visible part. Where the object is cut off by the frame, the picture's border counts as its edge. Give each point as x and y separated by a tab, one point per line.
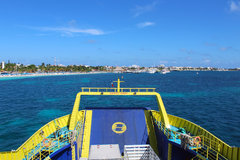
121	32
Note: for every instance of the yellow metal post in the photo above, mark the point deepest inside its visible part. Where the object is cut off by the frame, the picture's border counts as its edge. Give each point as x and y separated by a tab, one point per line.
40	152
162	110
87	134
207	153
73	152
73	120
169	151
151	132
118	84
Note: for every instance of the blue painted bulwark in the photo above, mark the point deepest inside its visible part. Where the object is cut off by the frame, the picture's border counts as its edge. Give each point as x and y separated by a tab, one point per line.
178	153
162	143
64	153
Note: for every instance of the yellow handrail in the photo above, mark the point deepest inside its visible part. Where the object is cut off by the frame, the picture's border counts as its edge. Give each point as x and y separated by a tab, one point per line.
212	147
97	89
53	147
117	91
209	147
75	110
210	153
32	144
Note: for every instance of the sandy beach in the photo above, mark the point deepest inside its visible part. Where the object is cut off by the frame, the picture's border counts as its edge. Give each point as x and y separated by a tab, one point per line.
2	76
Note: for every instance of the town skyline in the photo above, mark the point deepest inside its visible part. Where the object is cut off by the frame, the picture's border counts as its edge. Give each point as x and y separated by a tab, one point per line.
19	67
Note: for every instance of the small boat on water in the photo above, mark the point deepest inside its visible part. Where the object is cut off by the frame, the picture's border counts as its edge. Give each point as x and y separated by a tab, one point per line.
165	71
121	133
152	70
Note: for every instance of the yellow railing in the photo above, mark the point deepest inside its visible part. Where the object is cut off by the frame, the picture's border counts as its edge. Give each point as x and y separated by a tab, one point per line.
93	89
32	144
41	152
211	146
97	92
205	147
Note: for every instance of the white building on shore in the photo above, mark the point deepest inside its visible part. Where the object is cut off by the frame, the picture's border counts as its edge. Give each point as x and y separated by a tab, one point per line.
3	64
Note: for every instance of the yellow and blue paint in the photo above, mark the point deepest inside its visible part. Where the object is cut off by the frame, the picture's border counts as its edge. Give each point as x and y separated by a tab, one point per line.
118	126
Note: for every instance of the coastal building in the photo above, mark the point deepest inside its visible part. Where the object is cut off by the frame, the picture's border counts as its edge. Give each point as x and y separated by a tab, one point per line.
3	64
18	64
161	66
61	65
135	66
118	70
108	68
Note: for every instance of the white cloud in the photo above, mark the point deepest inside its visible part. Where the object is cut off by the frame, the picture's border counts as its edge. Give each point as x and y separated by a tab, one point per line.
164	62
69	30
221	48
72	23
138	10
188	51
225	48
72	30
91	41
145	24
234	6
206	61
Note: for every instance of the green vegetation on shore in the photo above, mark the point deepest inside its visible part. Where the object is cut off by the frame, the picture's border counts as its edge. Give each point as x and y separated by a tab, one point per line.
20	68
48	68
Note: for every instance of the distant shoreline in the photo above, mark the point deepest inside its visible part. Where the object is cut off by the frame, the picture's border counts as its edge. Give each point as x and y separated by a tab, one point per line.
46	74
18	75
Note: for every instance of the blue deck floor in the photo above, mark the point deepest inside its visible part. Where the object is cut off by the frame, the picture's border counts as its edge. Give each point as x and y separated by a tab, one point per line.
103	120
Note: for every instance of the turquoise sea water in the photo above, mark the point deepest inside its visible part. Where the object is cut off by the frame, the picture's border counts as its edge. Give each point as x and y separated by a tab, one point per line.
209	99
